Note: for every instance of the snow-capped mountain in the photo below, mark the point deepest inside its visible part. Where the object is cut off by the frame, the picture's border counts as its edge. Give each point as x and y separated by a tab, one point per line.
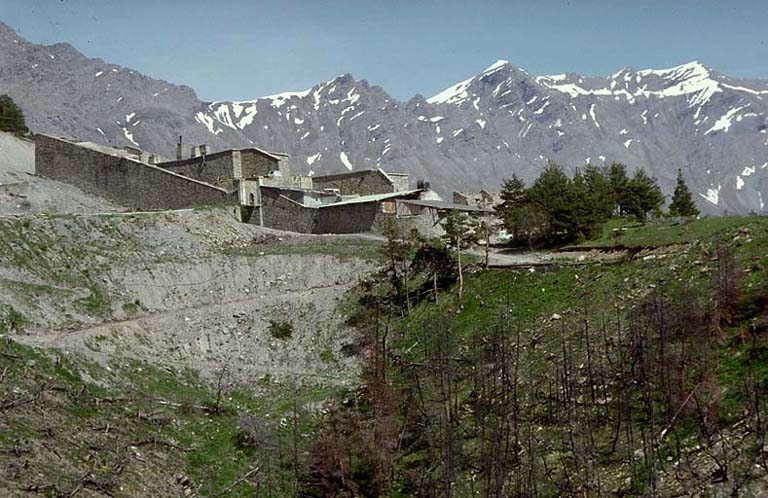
472	135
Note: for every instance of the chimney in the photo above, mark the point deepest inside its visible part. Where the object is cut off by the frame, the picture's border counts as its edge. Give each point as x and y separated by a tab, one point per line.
194	151
178	149
422	185
203	149
152	159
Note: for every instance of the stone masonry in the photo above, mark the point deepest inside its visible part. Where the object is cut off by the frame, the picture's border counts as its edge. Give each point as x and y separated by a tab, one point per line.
127	182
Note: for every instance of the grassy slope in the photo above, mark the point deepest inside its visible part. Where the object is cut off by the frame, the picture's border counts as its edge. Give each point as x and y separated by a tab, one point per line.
631	234
134	428
549	309
149	432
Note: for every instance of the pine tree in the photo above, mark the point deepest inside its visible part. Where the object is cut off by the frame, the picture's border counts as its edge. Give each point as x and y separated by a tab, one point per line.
551	193
617	176
643	196
593	203
600	191
682	200
513	197
512	193
11	117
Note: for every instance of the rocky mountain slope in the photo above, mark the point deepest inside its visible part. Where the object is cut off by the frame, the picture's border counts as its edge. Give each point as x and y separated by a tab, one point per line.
473	134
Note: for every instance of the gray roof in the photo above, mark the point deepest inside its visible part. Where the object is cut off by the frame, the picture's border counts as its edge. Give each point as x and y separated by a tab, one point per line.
373	198
447	206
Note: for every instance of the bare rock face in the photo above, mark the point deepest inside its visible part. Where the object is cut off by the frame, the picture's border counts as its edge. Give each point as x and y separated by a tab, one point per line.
472	135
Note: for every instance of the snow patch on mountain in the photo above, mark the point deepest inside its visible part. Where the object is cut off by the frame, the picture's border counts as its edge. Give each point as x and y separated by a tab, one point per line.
725	121
345	160
311	159
712	195
280	99
455	94
129	136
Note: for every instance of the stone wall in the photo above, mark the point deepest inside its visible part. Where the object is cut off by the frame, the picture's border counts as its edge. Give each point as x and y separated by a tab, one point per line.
250	193
366	182
224	168
400	181
216	169
125	182
282	213
356	217
289	182
255	163
427	224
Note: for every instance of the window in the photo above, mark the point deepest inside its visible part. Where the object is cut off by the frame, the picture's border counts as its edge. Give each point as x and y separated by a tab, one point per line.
389	207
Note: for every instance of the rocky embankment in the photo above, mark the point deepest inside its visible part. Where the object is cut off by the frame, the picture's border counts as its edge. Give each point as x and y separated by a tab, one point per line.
188	288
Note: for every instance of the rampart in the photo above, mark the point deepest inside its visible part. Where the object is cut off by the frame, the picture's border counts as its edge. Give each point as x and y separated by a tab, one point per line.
124	181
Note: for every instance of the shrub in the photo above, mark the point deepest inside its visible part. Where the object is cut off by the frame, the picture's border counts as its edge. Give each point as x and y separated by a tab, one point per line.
10	319
281	329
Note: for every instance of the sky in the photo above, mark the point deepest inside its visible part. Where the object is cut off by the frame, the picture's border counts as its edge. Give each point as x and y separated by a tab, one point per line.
242	49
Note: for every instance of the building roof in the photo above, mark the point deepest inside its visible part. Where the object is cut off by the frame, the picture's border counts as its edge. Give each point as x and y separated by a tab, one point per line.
350	174
446	206
274	155
373	198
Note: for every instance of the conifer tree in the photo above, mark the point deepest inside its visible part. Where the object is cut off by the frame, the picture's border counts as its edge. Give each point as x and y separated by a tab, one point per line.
551	193
682	200
11	117
601	193
617	176
644	196
513	197
512	193
593	203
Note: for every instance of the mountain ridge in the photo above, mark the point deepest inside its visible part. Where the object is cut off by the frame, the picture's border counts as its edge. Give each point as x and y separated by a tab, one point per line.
471	135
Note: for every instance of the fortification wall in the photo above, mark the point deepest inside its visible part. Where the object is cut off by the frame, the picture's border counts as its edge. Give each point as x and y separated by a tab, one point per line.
217	169
347	218
284	214
125	182
255	164
367	182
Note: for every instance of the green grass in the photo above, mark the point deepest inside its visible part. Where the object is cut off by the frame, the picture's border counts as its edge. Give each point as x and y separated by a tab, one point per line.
339	246
97	302
550	309
677	231
11	319
176	408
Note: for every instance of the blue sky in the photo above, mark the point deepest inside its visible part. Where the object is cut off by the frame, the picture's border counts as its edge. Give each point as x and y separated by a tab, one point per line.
239	49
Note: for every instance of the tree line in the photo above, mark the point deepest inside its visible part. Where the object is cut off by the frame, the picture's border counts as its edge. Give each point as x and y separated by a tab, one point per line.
606	400
558	208
11	117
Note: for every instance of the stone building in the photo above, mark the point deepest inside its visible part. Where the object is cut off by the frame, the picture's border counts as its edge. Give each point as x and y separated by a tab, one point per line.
424	216
483	198
228	167
363	182
326	212
257	184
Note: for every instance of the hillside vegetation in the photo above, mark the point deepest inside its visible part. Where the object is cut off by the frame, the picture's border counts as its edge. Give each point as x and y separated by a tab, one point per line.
646	377
185	354
168	354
